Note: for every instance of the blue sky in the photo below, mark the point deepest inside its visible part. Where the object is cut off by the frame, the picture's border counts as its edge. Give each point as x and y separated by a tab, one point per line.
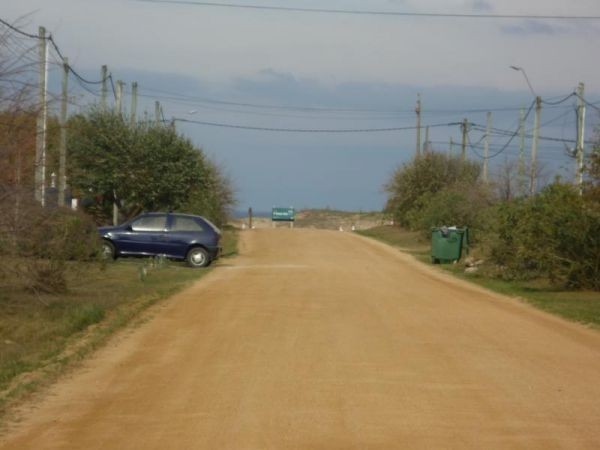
330	71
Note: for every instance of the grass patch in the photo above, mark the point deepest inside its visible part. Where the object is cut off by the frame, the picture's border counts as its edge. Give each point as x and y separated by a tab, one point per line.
579	306
42	335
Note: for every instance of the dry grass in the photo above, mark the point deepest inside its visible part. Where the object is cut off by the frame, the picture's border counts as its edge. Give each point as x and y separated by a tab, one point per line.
43	334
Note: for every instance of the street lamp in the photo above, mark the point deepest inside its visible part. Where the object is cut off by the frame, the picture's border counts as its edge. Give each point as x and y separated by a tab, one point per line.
520	69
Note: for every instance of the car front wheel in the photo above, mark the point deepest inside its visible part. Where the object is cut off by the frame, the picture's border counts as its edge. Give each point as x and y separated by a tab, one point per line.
108	251
198	257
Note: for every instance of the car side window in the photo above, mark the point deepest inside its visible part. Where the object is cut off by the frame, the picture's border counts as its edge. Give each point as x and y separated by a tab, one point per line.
185	224
150	223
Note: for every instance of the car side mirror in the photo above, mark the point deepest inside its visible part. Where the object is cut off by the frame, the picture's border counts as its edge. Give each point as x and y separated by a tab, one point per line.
128	228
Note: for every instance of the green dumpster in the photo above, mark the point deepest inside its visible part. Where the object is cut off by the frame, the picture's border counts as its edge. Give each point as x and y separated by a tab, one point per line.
448	244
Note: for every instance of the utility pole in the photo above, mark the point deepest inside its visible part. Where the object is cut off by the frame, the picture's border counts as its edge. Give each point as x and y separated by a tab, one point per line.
522	179
534	146
119	99
426	145
104	90
119	107
62	151
42	121
451	146
486	147
134	95
580	135
465	130
418	111
157	112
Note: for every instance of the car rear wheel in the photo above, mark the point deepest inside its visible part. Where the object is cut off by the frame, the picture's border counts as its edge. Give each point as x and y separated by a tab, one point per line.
108	250
198	257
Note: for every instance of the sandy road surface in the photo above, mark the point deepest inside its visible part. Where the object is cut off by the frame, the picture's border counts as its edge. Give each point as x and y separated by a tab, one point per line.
325	340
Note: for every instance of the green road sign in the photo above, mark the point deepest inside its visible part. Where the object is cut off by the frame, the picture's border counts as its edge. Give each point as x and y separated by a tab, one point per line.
283	215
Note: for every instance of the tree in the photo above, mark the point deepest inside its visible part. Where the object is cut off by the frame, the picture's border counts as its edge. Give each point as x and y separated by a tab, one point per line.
413	184
214	197
146	167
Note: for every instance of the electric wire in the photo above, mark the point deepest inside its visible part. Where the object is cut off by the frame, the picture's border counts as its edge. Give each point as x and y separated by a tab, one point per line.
308	130
505	146
572	94
374	13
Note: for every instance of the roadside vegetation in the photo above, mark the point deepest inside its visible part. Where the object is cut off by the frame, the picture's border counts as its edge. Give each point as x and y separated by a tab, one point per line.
58	299
45	333
577	305
552	235
543	247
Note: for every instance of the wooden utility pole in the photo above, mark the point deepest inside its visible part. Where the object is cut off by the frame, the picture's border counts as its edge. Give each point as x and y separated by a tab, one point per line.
534	146
42	120
426	144
134	95
486	147
418	111
119	99
250	218
580	136
62	151
451	146
465	130
104	90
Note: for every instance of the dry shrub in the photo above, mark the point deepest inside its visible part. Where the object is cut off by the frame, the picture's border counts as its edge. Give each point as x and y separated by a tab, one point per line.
38	243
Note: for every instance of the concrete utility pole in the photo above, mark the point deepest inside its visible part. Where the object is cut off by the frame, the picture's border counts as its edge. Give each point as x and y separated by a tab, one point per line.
522	179
134	95
486	147
418	111
534	146
42	121
104	90
426	144
580	135
119	106
465	130
119	99
62	151
157	112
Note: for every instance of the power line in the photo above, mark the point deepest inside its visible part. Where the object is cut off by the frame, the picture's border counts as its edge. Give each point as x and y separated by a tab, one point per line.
308	130
17	30
50	39
572	94
374	13
593	105
197	100
505	146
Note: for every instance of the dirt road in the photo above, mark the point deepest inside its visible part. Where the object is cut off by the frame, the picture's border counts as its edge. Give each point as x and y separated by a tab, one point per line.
325	340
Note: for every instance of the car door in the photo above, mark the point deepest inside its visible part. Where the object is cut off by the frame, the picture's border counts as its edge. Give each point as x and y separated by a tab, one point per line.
145	235
182	231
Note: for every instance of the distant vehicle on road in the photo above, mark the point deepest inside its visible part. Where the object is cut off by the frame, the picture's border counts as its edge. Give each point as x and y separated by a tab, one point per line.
178	236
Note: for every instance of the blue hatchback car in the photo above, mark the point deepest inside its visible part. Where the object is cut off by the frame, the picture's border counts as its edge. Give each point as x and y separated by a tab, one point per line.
178	236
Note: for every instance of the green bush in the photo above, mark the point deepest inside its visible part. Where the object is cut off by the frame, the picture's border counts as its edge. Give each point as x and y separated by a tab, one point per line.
413	185
555	234
460	205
